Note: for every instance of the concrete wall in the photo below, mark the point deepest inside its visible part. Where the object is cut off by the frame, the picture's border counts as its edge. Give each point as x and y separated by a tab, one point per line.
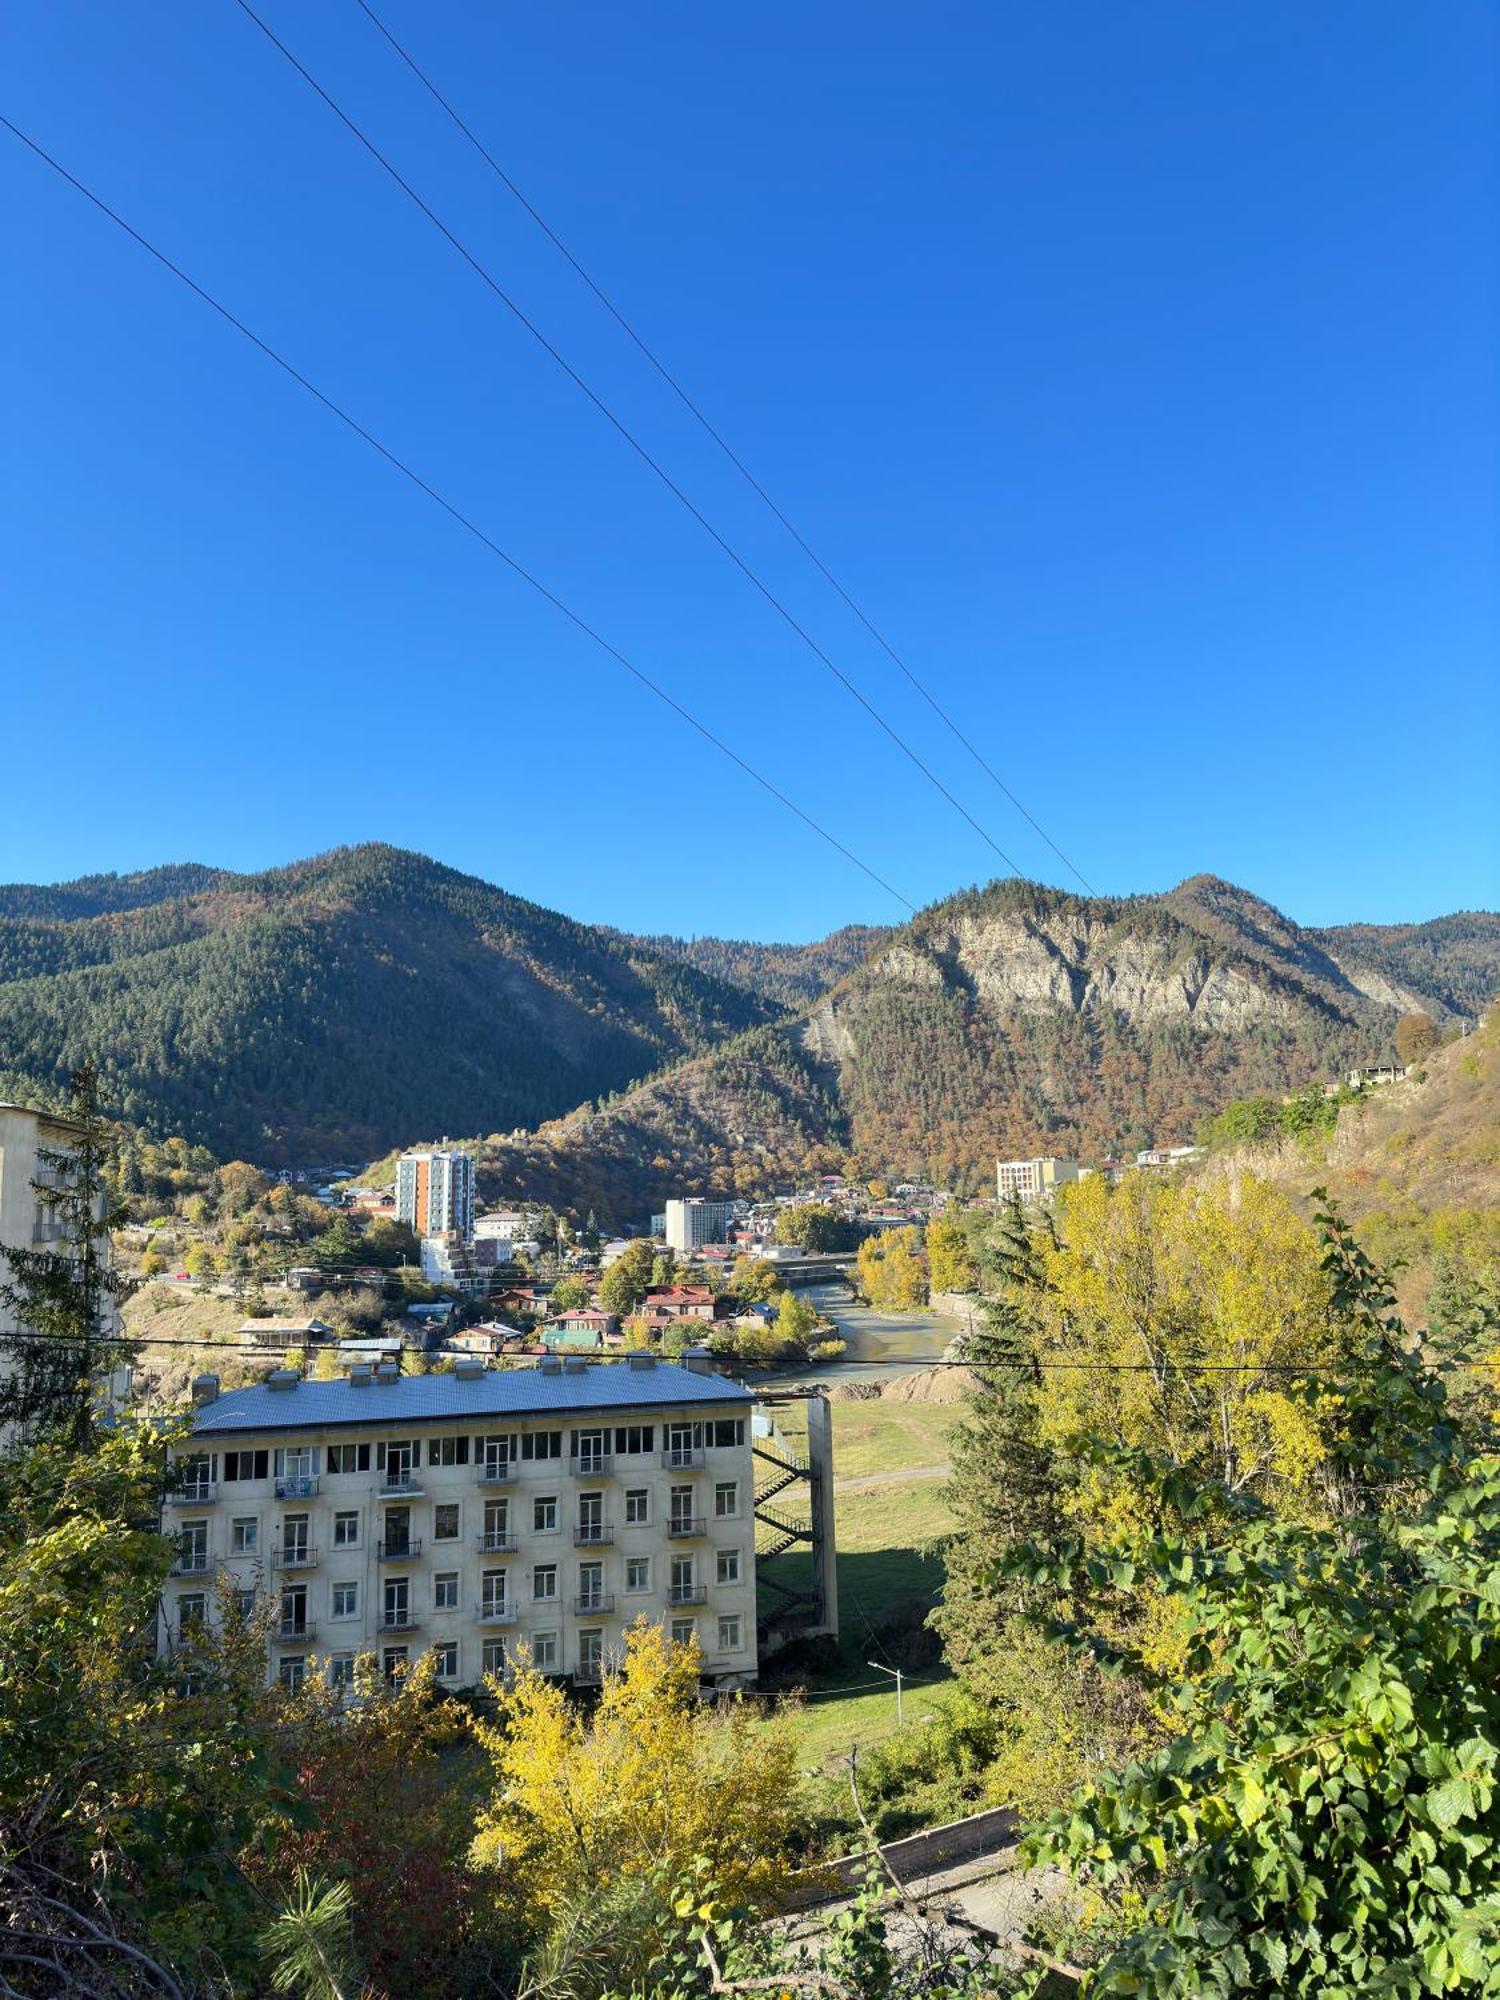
912	1859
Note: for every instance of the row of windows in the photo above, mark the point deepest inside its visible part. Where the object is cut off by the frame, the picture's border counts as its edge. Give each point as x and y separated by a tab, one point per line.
306	1461
398	1597
501	1517
494	1654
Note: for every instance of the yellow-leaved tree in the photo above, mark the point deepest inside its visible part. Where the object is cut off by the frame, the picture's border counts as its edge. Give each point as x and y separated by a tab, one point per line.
653	1781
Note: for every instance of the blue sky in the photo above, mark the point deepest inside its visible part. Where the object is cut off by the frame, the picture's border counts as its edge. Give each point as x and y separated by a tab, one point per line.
1134	366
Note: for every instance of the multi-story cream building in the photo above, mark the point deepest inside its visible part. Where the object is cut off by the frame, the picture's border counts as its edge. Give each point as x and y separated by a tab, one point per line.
435	1191
468	1513
695	1221
1034	1180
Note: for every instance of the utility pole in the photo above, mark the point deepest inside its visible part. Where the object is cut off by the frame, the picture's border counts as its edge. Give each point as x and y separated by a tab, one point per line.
896	1675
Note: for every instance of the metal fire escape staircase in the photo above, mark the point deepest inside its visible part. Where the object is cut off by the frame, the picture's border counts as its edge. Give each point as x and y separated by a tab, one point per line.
798	1603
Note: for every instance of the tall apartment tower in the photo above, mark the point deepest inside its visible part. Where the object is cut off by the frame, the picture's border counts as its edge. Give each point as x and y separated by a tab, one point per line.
435	1191
694	1222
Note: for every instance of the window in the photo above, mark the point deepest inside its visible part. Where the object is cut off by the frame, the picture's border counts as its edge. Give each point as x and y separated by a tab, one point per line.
544	1514
244	1603
494	1656
445	1590
244	1535
544	1580
684	1441
393	1663
341	1670
680	1506
729	1633
682	1588
445	1653
727	1431
198	1476
684	1631
632	1439
591	1655
590	1448
247	1464
544	1652
294	1611
346	1531
638	1573
727	1566
445	1523
591	1586
495	1452
398	1459
541	1444
192	1613
637	1506
726	1498
494	1593
292	1672
448	1451
295	1541
398	1541
496	1523
349	1458
192	1546
591	1517
296	1468
397	1611
346	1600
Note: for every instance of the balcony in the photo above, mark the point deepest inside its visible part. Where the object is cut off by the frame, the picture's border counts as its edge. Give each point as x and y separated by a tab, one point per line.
683	1526
592	1465
294	1634
498	1614
200	1493
398	1621
294	1558
399	1486
498	1544
400	1549
497	1472
303	1487
589	1673
683	1458
687	1593
592	1535
190	1562
599	1603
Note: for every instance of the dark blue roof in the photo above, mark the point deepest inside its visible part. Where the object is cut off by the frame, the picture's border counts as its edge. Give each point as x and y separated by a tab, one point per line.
499	1392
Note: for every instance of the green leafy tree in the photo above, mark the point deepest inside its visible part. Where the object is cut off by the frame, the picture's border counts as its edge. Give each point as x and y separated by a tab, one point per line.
65	1299
570	1294
628	1278
1417	1036
1324	1817
815	1228
893	1270
949	1257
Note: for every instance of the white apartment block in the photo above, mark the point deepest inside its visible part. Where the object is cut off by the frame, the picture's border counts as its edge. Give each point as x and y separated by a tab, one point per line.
694	1222
435	1191
469	1513
1034	1180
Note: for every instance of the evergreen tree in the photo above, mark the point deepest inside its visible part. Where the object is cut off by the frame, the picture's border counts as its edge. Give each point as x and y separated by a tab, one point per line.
66	1298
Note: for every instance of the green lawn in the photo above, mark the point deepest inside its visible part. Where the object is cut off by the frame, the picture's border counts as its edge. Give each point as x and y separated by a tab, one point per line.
879	1436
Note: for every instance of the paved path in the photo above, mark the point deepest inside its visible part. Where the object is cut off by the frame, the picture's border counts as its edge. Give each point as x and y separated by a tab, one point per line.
871	1482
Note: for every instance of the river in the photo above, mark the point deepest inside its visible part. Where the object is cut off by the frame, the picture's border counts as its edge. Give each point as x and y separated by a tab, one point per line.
880	1344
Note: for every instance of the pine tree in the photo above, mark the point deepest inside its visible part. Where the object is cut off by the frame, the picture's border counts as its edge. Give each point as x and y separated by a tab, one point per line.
65	1299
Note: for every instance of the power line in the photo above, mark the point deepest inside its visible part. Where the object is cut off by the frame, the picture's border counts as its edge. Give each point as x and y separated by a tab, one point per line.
455	513
752	576
713	432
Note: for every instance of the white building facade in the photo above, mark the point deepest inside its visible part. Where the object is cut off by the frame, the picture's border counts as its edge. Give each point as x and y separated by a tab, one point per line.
1034	1180
435	1191
469	1513
694	1222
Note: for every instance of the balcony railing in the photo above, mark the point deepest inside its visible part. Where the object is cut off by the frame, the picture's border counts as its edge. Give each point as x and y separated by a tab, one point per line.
303	1487
498	1614
198	1493
400	1486
681	1526
683	1458
399	1549
398	1621
296	1557
190	1562
499	1543
592	1535
592	1465
687	1593
600	1602
497	1472
589	1673
295	1634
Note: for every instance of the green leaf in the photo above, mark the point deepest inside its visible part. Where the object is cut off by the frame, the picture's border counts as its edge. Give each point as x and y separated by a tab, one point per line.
1449	1802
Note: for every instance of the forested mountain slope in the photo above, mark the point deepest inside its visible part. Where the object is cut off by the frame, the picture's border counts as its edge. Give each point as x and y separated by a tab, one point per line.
789	975
336	1007
1011	1020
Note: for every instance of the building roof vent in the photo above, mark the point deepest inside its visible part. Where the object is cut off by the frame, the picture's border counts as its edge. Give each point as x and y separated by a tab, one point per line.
283	1378
638	1358
574	1364
468	1370
550	1364
361	1375
387	1371
205	1389
698	1360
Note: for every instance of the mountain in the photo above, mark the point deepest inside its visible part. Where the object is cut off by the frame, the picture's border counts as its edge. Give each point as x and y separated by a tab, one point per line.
1011	1020
788	975
336	1007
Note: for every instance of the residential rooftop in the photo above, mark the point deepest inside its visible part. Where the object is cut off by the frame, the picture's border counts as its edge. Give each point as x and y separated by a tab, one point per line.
506	1392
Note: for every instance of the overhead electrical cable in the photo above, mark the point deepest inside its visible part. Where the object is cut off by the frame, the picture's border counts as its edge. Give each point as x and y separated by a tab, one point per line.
712	430
455	513
618	424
